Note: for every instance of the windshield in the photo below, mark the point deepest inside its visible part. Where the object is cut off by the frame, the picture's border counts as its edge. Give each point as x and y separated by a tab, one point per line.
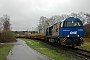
73	24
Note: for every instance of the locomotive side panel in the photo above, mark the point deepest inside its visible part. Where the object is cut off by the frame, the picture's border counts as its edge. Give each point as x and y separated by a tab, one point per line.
55	30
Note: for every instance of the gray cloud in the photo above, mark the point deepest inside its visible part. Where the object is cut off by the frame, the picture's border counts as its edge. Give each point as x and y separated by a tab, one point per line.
25	14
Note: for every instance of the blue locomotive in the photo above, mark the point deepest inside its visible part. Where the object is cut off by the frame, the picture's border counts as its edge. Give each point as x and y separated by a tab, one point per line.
69	32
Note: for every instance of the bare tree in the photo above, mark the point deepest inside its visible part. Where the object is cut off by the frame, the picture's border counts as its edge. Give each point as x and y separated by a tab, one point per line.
6	22
47	22
41	26
1	24
6	35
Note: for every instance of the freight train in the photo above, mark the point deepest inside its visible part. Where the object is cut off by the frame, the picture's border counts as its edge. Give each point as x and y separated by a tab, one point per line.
69	32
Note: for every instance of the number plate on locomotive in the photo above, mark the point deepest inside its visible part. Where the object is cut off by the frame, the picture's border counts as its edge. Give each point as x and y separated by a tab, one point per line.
73	32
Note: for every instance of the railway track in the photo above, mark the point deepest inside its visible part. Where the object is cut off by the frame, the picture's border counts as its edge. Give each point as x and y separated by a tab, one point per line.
82	53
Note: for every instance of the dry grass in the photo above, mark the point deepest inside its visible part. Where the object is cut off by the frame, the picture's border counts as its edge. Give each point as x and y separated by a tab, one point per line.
7	36
86	45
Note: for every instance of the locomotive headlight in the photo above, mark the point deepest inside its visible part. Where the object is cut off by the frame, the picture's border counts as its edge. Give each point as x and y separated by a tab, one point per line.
67	35
78	35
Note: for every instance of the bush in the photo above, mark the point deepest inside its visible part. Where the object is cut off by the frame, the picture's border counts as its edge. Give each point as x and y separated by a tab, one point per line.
7	36
87	31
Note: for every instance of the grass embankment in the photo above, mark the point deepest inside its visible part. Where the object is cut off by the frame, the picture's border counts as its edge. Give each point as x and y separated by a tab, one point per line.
4	50
86	45
46	51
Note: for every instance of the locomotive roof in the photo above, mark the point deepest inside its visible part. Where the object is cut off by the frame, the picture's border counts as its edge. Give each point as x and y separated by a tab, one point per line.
72	19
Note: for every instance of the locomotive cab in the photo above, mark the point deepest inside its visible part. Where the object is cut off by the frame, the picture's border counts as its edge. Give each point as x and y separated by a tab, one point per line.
71	32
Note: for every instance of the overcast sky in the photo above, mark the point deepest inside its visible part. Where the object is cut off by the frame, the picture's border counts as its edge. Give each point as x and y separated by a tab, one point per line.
25	14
